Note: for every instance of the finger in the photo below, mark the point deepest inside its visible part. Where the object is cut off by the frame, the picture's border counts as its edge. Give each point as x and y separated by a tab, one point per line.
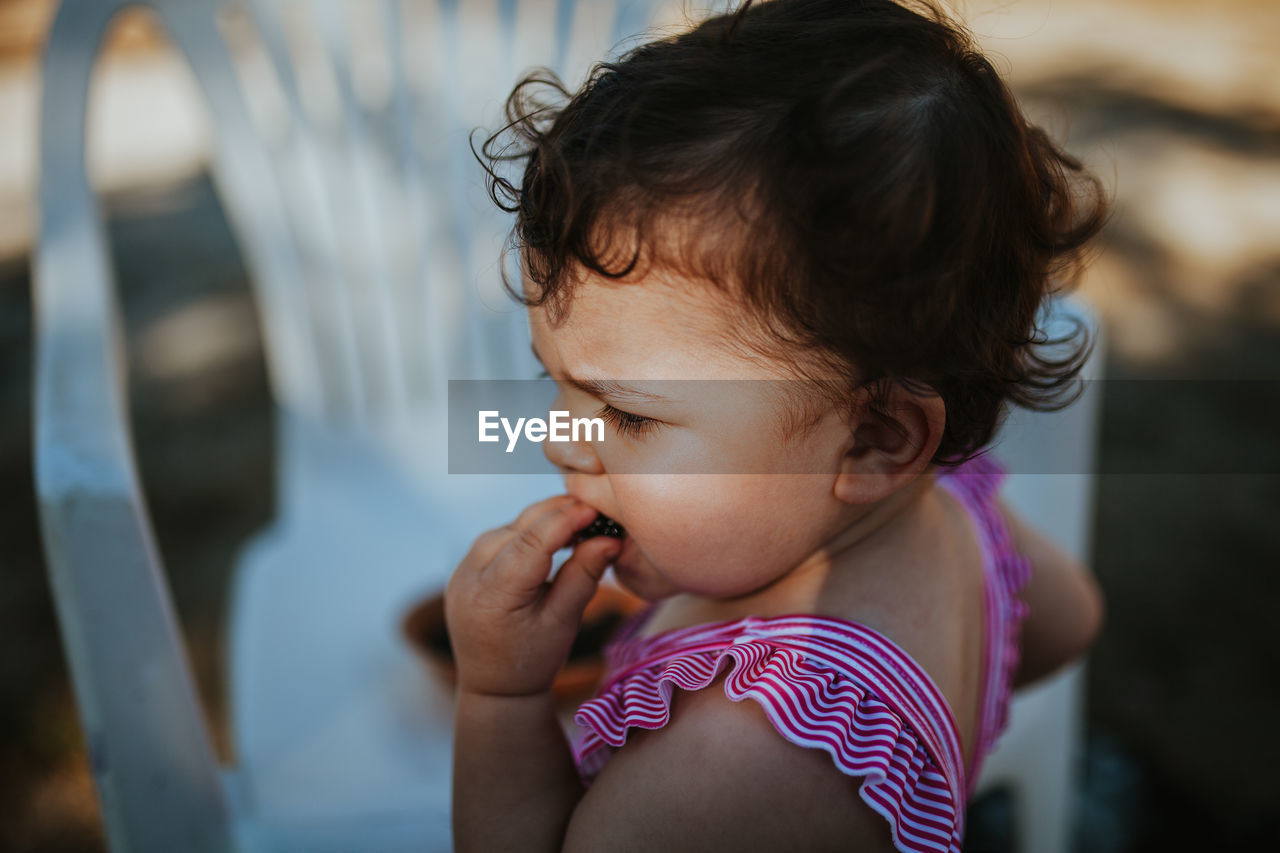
534	511
488	544
524	563
579	578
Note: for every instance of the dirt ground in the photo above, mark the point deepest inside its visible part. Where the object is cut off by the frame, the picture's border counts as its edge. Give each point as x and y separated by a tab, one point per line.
1186	134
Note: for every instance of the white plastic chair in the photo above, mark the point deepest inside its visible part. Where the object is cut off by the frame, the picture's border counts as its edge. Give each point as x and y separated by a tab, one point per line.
341	157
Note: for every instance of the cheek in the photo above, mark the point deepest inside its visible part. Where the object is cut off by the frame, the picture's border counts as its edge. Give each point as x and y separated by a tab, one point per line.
716	535
666	513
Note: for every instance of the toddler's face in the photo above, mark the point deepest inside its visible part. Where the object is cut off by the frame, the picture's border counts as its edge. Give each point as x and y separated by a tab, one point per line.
718	535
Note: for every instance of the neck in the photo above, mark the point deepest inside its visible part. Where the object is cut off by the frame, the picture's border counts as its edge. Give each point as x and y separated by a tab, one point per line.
864	530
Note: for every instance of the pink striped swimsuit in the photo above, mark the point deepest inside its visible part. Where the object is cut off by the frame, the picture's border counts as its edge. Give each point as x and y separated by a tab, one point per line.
831	684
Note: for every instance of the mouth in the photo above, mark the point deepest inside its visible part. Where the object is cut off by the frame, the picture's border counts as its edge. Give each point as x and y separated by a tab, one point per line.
603	525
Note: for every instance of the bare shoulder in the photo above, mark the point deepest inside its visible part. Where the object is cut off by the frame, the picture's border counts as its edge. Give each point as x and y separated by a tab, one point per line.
1064	602
719	776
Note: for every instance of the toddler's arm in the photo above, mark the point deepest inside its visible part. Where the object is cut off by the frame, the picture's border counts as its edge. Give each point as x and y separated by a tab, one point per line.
1064	600
511	627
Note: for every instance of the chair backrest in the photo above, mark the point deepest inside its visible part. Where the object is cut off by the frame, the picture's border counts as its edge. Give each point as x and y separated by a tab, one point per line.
344	137
342	155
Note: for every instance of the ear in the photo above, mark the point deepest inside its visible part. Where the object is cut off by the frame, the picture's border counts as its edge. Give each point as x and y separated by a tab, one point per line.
891	444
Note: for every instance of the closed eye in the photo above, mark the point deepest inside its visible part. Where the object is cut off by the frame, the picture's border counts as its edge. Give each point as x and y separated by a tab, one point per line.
632	426
627	424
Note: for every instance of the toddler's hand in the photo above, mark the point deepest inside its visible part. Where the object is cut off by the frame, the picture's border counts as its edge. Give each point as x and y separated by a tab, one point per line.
511	628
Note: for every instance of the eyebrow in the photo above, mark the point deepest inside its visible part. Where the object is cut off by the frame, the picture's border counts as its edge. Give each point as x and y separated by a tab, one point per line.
605	388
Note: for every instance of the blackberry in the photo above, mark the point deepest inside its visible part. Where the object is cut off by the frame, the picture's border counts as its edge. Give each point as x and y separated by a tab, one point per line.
602	526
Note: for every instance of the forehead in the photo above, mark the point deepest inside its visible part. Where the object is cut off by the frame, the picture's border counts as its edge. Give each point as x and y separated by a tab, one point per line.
657	328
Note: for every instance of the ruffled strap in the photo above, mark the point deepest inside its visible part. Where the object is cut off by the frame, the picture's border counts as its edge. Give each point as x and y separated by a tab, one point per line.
975	484
980	476
824	684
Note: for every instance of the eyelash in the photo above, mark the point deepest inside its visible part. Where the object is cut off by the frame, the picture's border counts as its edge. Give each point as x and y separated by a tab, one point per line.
627	424
632	426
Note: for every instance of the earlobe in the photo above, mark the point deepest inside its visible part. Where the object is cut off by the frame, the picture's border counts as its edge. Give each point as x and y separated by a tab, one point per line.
890	444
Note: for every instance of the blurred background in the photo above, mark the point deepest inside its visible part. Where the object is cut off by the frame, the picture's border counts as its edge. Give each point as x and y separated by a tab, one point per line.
1174	103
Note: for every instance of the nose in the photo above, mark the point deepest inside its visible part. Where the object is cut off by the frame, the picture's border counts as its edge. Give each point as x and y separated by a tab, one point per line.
572	456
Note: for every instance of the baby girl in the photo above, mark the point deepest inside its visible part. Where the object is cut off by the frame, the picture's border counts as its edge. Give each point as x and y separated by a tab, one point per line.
840	197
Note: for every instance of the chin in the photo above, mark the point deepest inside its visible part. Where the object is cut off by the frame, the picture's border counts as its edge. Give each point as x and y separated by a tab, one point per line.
641	584
633	586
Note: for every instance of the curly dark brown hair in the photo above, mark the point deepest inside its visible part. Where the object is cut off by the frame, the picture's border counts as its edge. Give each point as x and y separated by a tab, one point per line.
855	172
